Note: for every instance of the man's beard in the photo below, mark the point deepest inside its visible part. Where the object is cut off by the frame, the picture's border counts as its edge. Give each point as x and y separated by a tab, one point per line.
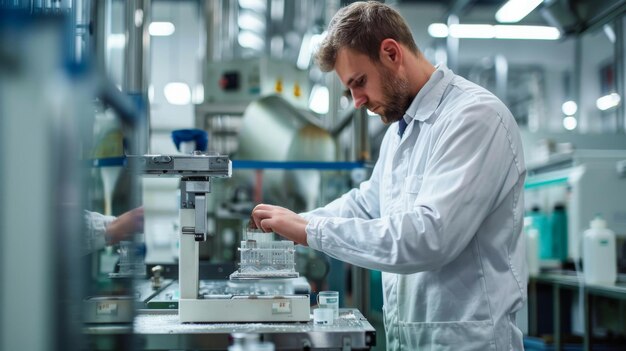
396	96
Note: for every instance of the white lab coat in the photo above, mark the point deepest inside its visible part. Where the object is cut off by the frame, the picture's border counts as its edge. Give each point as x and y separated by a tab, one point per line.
96	225
441	217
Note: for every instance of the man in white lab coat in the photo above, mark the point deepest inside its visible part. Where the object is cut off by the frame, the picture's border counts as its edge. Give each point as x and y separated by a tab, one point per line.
442	213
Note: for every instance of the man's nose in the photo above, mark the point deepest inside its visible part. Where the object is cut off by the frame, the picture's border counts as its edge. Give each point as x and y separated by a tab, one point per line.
359	99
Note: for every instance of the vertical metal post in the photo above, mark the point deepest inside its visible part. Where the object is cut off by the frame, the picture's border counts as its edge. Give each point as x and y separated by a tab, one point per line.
452	45
577	88
211	28
501	67
556	298
137	65
361	142
335	91
361	290
620	67
102	29
137	45
588	320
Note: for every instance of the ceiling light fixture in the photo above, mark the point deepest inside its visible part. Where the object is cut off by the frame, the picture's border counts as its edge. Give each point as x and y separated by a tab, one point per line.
319	101
116	41
177	93
570	123
608	101
515	10
161	29
569	108
250	40
251	21
487	31
310	44
254	5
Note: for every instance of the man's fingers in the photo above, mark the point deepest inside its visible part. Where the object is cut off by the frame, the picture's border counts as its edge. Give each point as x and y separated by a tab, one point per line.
259	213
266	225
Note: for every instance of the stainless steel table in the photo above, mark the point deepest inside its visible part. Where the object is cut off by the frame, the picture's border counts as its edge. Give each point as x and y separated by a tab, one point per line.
161	330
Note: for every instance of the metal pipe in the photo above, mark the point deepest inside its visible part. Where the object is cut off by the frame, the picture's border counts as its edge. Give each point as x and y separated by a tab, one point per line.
211	30
361	290
360	138
619	73
102	18
452	45
501	68
136	66
578	56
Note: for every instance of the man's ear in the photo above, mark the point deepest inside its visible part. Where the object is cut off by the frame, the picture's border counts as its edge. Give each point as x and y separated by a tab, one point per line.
390	52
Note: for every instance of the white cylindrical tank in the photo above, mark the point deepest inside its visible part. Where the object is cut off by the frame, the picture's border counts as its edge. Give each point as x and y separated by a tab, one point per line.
599	254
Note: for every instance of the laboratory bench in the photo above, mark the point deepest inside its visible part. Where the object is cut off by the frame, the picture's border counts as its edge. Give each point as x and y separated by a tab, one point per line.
550	296
154	329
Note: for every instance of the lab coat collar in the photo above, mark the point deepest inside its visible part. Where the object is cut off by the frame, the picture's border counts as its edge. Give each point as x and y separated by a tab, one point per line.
428	98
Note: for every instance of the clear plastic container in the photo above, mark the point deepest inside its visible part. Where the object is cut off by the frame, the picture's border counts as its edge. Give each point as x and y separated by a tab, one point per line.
258	235
266	259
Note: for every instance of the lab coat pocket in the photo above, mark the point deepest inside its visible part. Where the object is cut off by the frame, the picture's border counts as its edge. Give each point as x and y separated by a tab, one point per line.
412	186
447	336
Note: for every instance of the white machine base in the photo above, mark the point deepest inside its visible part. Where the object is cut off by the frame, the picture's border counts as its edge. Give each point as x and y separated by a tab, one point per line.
293	308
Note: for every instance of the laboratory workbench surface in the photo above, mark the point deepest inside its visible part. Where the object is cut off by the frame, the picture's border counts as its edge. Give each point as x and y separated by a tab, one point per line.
161	330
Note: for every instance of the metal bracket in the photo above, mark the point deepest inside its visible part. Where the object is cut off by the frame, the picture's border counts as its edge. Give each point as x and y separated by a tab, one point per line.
201	226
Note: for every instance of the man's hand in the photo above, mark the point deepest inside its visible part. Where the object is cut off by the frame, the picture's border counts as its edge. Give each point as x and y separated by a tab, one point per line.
125	225
281	221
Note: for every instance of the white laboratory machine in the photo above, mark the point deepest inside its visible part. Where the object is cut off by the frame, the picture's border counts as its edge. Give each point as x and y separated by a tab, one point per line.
250	301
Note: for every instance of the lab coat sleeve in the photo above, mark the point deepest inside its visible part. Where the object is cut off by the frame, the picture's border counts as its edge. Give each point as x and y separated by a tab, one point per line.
361	202
472	163
96	225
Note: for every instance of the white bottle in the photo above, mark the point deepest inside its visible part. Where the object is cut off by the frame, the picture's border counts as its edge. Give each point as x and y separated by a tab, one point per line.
532	251
599	255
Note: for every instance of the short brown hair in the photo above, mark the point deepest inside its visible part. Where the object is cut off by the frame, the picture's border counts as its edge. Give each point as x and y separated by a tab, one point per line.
362	26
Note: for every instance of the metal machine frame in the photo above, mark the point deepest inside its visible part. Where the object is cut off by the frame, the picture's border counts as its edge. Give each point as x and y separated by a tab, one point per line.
195	172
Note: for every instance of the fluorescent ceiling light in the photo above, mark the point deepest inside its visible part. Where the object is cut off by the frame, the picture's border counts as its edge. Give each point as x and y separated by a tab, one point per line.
151	93
569	108
177	93
527	32
161	29
197	96
310	43
609	32
487	31
570	122
320	99
514	10
254	5
438	30
608	101
476	31
250	40
251	21
116	41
